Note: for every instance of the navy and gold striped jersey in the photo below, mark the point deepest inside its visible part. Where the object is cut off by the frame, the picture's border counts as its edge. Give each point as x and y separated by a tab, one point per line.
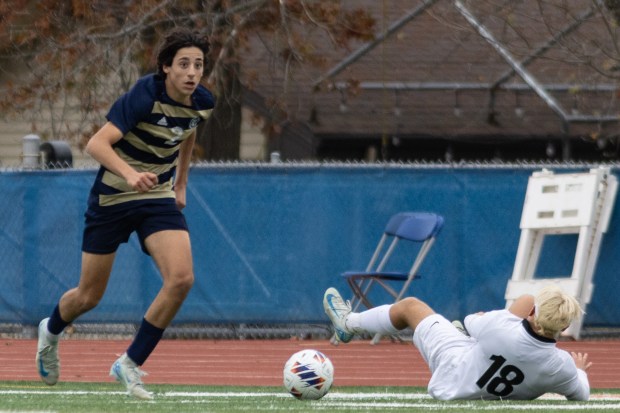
153	127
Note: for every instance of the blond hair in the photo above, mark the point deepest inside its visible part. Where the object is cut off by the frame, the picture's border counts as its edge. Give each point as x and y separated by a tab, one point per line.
555	310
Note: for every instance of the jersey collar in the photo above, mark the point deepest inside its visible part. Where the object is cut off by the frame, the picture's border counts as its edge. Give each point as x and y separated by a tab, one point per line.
534	334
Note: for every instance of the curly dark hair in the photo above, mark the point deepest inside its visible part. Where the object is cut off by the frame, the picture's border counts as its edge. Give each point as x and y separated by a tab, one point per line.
176	39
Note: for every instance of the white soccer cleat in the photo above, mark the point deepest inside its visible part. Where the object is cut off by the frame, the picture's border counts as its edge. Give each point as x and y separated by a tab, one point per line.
337	310
126	372
48	364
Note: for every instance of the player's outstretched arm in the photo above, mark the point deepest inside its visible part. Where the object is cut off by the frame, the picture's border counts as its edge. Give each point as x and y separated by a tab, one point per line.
580	385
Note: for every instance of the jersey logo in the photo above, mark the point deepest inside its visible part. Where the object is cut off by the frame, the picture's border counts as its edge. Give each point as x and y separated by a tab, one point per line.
178	132
162	122
194	122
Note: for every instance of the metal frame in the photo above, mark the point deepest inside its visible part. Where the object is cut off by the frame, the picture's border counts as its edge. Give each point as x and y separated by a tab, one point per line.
531	83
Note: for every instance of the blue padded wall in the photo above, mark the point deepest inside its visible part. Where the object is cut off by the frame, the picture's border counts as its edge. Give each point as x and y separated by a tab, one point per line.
268	241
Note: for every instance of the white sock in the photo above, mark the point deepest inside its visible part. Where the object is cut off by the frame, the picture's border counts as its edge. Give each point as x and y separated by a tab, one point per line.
375	320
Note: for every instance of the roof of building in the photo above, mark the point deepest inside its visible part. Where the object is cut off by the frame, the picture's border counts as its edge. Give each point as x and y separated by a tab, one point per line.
459	70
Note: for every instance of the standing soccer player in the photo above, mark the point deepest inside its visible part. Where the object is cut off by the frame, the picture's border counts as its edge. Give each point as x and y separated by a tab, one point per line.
508	354
144	150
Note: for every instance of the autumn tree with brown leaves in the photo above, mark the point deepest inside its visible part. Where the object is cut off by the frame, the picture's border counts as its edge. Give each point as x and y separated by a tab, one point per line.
62	63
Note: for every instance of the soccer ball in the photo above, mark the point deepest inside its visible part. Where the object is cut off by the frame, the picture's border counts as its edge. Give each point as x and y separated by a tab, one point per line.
308	374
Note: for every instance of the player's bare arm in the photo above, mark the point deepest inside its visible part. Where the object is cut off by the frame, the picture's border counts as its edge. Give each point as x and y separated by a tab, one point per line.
180	183
581	360
522	306
100	148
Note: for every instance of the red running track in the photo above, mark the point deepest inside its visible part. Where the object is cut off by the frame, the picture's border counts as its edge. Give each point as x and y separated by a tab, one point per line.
260	362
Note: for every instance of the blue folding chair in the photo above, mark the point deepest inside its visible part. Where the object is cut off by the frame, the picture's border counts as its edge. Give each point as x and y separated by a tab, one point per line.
417	227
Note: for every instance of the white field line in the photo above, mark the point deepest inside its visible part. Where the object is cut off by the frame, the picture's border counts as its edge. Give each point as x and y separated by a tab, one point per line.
491	406
376	400
330	396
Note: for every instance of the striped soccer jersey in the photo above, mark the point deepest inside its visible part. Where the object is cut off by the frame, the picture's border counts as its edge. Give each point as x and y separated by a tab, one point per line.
153	127
508	360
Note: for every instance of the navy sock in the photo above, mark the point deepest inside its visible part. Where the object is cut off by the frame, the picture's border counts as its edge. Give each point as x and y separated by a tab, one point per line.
56	324
144	343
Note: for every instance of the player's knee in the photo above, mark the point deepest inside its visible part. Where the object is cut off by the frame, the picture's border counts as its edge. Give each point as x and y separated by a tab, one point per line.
181	283
411	311
410	303
401	311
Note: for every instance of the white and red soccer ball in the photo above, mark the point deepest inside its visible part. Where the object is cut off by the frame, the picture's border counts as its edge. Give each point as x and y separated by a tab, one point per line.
308	374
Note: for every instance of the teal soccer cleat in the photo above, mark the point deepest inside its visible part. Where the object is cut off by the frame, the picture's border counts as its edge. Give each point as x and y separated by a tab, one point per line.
337	310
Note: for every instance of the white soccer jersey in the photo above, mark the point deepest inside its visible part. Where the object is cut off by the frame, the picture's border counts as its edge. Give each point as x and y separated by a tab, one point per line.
503	359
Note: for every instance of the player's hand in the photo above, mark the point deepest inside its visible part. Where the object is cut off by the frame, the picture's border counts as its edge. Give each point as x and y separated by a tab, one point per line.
581	360
142	181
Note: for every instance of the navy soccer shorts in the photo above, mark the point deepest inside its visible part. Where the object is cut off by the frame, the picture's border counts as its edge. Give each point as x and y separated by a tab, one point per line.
105	230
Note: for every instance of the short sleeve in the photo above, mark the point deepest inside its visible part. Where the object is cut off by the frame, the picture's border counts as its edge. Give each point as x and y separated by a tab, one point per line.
134	106
203	98
476	323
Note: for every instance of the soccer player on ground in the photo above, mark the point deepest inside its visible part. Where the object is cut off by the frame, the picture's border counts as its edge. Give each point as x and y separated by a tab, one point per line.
144	150
508	354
